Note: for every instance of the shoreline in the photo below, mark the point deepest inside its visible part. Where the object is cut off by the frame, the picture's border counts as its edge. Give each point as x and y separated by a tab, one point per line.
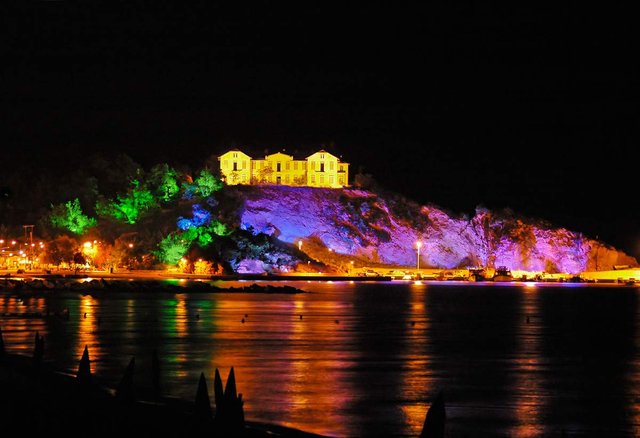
426	275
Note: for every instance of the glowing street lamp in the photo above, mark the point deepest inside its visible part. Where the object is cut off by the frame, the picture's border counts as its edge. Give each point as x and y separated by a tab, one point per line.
418	245
300	245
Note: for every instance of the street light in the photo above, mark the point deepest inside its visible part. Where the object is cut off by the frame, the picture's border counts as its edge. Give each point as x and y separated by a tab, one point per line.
418	245
299	245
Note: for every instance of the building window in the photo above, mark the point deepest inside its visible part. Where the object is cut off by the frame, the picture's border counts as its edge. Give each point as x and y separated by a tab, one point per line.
330	179
322	156
235	155
288	165
295	165
278	165
321	167
313	179
330	165
235	166
244	164
321	179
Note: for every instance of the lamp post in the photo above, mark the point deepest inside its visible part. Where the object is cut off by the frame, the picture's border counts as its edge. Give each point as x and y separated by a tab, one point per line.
418	245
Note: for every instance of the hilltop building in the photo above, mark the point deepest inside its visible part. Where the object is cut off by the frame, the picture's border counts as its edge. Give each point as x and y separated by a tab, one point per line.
320	169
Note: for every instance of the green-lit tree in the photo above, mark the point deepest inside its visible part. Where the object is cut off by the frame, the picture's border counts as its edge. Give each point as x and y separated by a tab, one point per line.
203	186
163	181
69	216
128	207
174	246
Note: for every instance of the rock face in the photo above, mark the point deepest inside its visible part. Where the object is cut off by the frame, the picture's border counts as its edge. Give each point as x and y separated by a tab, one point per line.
385	229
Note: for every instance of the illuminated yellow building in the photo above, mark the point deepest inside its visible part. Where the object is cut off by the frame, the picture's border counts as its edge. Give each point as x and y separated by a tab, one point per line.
320	169
236	167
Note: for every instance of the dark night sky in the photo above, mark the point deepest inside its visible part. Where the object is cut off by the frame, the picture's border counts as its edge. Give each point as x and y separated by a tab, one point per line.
458	106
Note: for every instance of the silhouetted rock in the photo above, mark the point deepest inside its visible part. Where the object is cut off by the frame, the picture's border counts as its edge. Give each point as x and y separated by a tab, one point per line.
202	410
436	418
2	350
218	394
124	391
38	351
229	410
155	373
84	370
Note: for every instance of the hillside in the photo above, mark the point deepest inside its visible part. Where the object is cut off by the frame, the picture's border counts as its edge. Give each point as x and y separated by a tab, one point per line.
384	229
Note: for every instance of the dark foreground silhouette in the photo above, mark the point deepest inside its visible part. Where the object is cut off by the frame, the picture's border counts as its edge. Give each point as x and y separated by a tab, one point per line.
40	400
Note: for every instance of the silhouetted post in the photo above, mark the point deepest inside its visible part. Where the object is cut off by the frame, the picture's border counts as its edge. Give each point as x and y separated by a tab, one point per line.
218	395
229	412
233	404
124	391
2	350
155	373
84	370
38	351
203	404
436	418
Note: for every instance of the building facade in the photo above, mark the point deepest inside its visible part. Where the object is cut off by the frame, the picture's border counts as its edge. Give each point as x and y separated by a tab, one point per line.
320	169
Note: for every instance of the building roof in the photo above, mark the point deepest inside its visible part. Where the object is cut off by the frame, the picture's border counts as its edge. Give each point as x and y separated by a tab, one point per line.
235	150
296	153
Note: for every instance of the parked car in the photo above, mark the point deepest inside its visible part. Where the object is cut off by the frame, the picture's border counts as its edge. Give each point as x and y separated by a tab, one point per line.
369	273
409	276
396	274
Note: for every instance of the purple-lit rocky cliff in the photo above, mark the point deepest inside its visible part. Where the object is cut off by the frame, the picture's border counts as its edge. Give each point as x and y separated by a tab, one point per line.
384	229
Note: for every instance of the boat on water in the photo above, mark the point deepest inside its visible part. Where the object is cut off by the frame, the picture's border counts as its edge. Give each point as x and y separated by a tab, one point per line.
502	274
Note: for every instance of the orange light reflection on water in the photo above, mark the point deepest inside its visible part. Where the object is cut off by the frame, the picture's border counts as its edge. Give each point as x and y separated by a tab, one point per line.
87	328
528	402
21	318
417	380
278	362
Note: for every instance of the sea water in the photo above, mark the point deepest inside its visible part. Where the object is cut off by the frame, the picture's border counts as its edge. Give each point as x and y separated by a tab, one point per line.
367	358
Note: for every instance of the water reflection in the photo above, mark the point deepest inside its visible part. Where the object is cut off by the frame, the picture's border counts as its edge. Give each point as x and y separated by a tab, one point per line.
528	372
367	358
285	363
588	344
473	337
417	381
20	319
175	327
88	316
